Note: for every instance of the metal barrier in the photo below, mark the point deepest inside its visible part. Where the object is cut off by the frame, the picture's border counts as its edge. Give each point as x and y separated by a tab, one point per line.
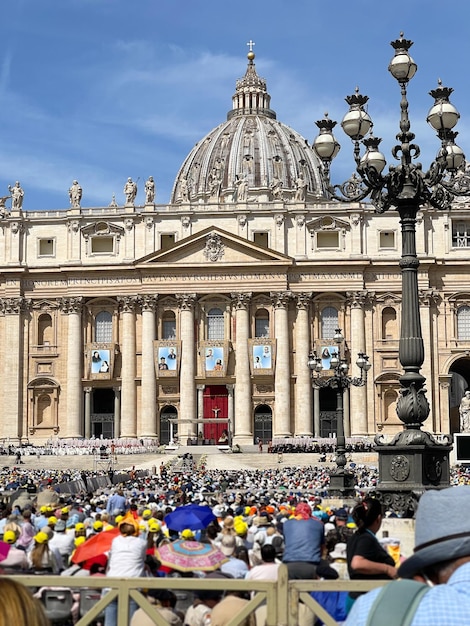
282	597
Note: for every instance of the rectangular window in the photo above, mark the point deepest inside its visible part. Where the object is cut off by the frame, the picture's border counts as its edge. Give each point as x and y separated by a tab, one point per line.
461	234
167	241
102	245
261	327
46	247
387	239
261	239
169	329
328	239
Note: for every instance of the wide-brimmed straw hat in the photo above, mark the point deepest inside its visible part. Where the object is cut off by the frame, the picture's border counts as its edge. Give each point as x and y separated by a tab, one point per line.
442	530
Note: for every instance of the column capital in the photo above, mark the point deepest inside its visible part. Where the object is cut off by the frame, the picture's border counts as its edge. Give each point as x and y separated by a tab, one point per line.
280	300
186	301
357	299
87	389
302	300
127	304
71	305
230	389
200	387
149	302
13	306
241	300
117	389
428	296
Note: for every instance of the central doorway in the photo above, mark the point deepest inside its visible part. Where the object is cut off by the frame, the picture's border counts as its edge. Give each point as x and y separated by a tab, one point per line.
102	415
215	407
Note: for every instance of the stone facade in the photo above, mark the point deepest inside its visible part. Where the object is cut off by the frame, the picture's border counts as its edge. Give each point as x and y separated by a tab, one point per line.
198	316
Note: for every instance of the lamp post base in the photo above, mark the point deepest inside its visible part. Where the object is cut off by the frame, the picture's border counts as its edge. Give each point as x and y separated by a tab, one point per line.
342	484
407	471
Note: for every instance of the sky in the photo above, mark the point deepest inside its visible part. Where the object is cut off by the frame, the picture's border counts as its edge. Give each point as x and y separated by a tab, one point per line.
100	90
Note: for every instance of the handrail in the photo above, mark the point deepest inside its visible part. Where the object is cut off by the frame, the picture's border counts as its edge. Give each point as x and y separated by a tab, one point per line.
281	597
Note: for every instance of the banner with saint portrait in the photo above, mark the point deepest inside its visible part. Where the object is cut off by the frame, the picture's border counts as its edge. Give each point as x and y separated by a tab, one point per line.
262	356
101	360
214	358
167	354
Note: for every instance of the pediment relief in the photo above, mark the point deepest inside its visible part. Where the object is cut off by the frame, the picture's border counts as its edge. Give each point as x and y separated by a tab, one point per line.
388	298
102	229
45	305
328	222
214	246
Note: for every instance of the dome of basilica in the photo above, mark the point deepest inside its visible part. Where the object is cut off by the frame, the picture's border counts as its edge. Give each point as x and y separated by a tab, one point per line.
251	157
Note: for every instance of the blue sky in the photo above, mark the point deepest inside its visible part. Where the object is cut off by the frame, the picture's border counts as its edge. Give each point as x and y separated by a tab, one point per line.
100	90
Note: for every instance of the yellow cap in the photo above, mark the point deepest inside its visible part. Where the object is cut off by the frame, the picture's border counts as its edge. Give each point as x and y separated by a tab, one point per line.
52	520
187	534
118	518
44	509
41	537
98	525
79	526
9	536
154	526
79	540
65	509
147	513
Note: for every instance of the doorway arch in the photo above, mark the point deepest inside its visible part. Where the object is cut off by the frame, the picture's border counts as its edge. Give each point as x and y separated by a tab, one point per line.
263	430
460	381
166	414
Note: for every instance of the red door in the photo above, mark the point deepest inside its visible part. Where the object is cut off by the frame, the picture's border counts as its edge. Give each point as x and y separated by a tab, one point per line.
215	406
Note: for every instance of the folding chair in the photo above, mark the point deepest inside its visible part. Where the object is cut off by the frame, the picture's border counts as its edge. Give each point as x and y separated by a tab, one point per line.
58	605
88	598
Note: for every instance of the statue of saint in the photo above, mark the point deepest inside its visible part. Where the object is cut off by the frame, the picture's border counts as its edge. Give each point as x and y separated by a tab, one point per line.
17	195
150	190
300	188
276	189
464	410
130	191
75	194
241	188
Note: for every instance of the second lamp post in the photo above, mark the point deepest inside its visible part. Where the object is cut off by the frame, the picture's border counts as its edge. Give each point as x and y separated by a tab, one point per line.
341	481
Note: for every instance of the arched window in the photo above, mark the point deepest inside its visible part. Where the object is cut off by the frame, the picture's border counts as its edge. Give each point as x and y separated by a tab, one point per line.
463	323
262	323
389	324
215	324
329	322
45	330
104	327
168	325
390	405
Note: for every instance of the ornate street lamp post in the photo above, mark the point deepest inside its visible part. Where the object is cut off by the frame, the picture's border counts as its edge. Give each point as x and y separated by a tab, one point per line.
341	481
414	460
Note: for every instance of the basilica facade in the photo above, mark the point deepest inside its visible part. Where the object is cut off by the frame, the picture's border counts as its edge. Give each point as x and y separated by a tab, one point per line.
196	318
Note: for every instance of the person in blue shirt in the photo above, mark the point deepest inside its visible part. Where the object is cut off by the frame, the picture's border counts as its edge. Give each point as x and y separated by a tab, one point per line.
441	559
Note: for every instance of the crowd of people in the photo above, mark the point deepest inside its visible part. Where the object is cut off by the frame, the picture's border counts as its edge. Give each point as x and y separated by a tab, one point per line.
259	520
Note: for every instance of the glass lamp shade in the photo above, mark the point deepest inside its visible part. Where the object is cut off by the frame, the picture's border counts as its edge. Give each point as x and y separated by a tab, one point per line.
338	336
375	159
453	155
334	361
443	115
326	146
402	67
344	367
356	124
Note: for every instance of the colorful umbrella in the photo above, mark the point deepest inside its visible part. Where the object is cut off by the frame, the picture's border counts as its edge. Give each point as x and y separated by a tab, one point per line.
187	556
4	550
192	516
95	546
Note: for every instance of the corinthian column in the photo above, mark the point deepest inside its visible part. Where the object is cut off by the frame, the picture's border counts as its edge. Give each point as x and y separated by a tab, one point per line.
128	370
243	405
72	307
149	385
303	387
12	375
188	395
357	424
282	374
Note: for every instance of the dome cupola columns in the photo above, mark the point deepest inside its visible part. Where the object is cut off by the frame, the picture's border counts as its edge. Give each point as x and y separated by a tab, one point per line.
251	95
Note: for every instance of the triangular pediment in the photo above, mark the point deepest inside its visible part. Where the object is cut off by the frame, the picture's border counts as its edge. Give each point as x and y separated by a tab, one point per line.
388	298
328	222
214	246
